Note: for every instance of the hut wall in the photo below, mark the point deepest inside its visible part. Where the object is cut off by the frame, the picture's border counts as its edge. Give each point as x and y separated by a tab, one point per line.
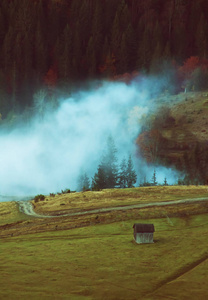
144	238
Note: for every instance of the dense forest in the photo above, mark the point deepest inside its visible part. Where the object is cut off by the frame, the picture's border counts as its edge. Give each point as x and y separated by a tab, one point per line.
54	43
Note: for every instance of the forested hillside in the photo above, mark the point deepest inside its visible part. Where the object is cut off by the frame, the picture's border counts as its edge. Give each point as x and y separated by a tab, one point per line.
55	42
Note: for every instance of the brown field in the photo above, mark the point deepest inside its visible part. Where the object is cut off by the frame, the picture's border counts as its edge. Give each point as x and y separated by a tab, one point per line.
94	256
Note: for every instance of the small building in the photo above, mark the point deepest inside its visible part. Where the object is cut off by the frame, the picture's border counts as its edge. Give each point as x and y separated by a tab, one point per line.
143	233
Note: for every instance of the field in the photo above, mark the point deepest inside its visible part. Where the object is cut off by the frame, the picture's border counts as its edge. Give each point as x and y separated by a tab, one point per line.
95	257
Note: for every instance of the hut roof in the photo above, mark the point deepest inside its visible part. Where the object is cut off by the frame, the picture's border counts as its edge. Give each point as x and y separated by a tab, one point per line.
138	227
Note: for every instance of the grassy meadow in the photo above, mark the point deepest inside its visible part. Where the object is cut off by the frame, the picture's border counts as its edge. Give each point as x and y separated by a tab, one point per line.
89	200
100	260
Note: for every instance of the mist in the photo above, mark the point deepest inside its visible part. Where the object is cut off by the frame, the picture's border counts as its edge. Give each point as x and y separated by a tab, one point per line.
47	155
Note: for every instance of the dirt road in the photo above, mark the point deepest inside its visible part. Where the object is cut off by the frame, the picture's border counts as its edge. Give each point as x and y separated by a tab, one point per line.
27	208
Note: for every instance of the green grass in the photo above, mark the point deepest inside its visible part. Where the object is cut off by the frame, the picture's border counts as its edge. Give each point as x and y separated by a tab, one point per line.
9	213
103	262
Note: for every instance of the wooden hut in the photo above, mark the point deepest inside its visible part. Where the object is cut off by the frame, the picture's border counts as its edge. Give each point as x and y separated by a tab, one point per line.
143	233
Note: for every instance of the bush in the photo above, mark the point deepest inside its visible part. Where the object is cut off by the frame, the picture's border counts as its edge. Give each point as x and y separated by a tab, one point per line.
66	191
39	197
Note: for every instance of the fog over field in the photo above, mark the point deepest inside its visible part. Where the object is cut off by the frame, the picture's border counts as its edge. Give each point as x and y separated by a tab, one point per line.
47	155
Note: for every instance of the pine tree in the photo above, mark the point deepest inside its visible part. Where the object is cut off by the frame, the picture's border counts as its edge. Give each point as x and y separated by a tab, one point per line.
107	173
97	31
201	37
154	179
86	183
2	26
115	36
65	54
85	18
90	58
77	51
123	56
83	182
99	180
123	174
144	52
110	160
40	52
131	173
131	43
40	103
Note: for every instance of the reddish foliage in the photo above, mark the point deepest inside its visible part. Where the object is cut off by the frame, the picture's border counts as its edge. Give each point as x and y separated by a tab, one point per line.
50	78
188	67
191	64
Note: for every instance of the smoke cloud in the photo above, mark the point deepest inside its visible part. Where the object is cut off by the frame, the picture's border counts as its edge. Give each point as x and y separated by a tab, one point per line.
47	155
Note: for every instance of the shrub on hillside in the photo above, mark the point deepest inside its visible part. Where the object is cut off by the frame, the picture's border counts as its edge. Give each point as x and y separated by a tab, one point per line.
39	197
66	191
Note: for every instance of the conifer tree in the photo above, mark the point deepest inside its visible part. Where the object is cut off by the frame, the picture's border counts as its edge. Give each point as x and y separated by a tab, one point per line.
144	52
111	163
123	56
165	181
85	19
65	54
77	51
131	173
2	27
122	181
131	44
201	37
154	179
40	52
97	30
116	35
99	180
83	182
107	173
91	58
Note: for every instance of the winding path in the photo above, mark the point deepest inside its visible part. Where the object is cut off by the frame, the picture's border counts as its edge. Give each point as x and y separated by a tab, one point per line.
26	207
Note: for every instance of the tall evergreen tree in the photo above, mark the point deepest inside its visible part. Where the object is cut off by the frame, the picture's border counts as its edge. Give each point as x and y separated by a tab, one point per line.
111	163
115	35
99	181
83	182
91	58
131	173
77	52
2	26
122	181
64	54
107	173
97	29
131	43
40	52
201	37
154	178
144	53
123	56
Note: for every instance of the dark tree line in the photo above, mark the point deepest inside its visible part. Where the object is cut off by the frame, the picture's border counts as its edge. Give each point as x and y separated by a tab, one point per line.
109	174
195	163
192	158
53	43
